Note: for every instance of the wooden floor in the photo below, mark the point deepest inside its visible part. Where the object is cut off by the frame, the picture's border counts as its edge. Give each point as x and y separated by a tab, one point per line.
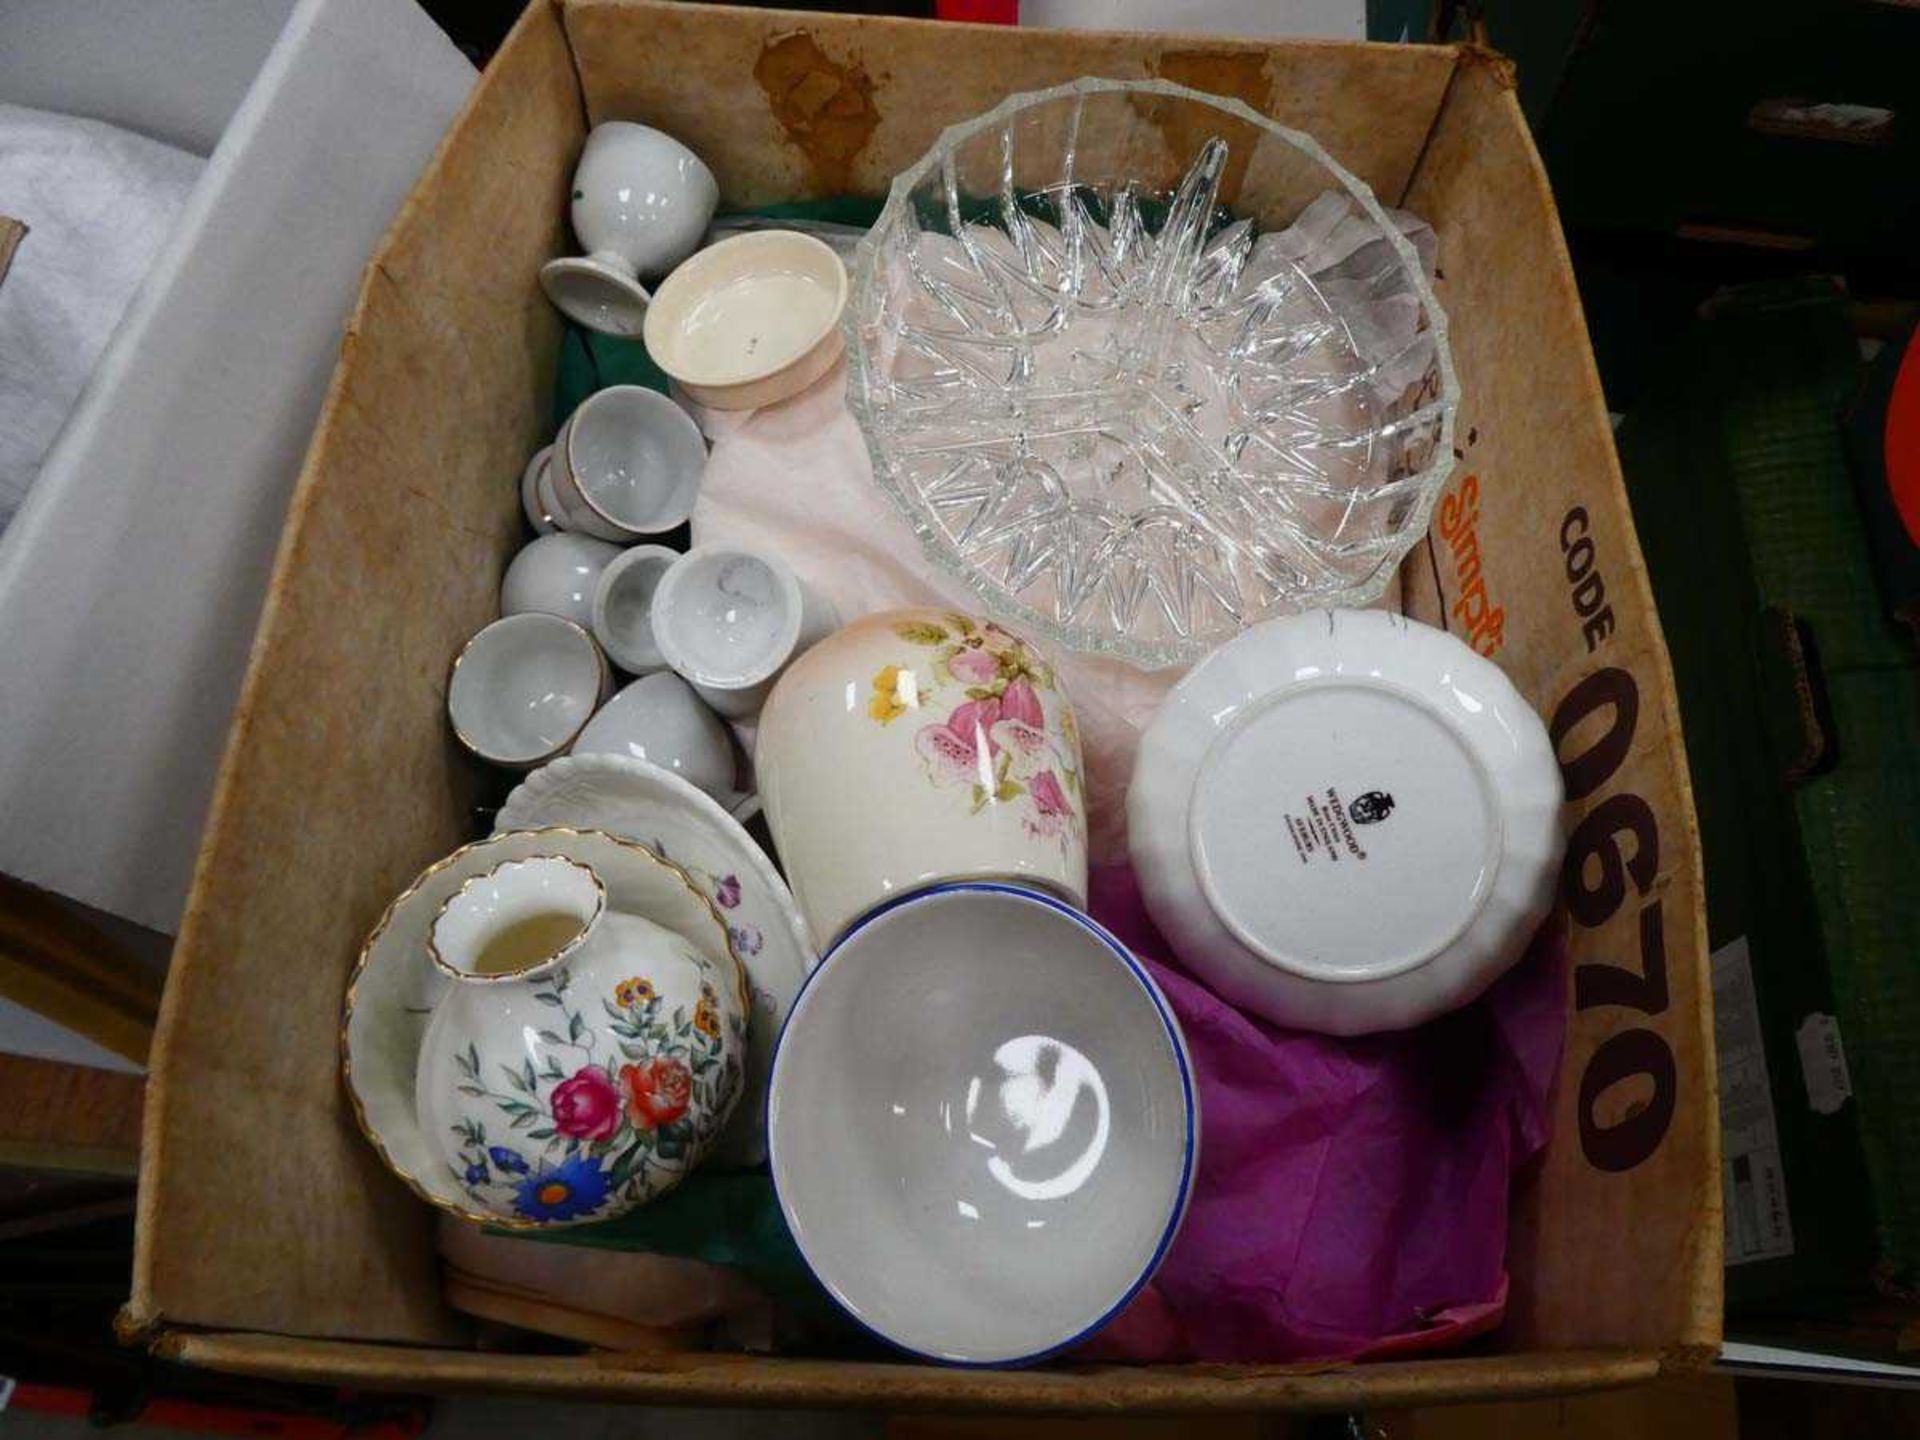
69	1118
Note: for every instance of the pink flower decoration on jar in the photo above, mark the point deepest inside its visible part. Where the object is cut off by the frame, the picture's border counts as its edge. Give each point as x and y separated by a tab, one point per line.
1048	796
961	751
586	1106
1032	748
974	667
1053	812
1022	703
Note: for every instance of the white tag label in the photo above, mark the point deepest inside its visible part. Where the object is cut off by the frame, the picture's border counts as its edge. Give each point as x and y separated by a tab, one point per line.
1823	1063
1753	1181
6	1390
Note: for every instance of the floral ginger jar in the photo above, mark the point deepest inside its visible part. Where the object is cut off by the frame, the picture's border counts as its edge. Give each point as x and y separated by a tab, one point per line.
915	747
583	1060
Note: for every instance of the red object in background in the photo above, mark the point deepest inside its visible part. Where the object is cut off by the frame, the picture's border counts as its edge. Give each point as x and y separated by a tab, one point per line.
202	1419
1902	456
980	12
1882	430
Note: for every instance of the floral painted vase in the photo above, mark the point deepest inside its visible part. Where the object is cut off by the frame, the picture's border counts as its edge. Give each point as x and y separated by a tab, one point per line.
914	747
583	1060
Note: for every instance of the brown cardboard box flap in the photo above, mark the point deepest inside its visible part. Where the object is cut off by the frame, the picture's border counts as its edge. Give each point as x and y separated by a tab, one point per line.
740	1380
1538	482
796	106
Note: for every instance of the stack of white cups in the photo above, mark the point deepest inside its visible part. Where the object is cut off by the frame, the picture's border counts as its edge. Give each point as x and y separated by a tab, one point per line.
705	634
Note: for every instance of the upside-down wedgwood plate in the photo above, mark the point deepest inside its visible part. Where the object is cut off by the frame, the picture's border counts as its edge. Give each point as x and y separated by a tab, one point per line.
640	801
1346	821
395	986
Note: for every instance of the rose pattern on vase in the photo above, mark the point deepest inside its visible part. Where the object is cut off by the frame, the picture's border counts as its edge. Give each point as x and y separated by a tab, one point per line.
572	1137
993	746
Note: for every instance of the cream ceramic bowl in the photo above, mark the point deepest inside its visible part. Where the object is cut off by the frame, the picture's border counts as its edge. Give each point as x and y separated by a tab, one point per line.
751	320
1346	821
982	1125
524	687
917	746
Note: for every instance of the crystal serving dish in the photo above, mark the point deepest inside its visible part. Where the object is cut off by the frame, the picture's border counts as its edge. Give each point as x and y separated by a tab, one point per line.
1142	367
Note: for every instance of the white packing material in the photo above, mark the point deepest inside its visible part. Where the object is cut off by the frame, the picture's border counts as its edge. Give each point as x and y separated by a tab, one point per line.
97	201
131	580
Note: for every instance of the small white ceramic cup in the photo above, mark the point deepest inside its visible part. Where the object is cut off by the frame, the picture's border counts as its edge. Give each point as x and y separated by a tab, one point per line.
626	465
557	574
751	320
660	720
569	511
543	520
641	203
524	687
623	608
728	618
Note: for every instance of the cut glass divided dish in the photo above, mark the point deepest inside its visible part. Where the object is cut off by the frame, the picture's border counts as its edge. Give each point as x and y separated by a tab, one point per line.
1142	367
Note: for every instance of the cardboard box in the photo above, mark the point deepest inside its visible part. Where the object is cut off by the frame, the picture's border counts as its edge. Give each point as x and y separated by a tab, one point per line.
270	1240
131	578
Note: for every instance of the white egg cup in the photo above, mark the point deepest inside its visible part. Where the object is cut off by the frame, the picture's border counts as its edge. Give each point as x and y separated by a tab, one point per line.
728	619
533	502
557	574
641	204
626	465
524	688
660	720
623	608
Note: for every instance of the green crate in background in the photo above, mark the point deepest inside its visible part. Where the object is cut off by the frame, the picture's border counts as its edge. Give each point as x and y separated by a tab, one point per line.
1801	705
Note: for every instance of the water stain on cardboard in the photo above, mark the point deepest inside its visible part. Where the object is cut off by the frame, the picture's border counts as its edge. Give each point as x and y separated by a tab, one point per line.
1239	73
825	107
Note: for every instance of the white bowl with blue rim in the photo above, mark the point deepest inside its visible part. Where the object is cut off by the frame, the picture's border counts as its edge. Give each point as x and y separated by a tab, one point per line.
982	1124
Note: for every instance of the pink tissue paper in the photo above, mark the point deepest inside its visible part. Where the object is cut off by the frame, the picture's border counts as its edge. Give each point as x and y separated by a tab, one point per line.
1352	1194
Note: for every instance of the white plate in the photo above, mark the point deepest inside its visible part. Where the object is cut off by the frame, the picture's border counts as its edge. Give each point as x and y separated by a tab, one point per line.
395	986
1346	821
643	802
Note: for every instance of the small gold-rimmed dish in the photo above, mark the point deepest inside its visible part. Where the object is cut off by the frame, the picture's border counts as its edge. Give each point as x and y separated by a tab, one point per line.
395	988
